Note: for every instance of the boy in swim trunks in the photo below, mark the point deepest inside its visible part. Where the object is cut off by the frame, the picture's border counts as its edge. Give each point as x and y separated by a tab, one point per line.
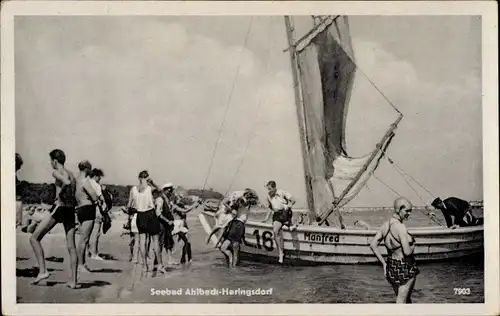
63	211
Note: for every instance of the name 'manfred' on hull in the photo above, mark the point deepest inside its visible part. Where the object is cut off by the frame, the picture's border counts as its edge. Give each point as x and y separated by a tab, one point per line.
322	237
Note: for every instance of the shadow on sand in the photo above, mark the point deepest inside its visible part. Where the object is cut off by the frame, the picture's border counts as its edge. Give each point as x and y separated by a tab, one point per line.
31	272
55	259
106	270
107	256
83	285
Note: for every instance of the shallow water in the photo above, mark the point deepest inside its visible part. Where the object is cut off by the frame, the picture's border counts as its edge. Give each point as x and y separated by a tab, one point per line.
289	284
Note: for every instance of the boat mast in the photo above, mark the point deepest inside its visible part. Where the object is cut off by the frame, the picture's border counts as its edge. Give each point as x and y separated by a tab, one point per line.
300	114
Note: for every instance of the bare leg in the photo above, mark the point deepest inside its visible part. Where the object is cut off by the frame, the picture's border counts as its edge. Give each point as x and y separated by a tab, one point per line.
236	254
69	228
157	253
404	291
143	239
35	240
132	245
224	248
94	239
85	231
278	238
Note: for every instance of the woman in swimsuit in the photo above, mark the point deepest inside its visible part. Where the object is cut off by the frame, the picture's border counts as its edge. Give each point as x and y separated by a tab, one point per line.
234	233
225	214
63	211
400	269
148	224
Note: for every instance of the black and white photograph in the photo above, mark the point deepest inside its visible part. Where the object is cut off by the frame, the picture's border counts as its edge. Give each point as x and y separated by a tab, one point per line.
248	158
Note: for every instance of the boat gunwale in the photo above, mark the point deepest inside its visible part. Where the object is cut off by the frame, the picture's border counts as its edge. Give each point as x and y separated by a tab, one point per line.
422	231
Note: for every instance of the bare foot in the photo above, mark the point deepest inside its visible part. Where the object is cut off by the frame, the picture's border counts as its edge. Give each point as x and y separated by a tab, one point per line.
280	260
84	268
40	277
72	285
162	270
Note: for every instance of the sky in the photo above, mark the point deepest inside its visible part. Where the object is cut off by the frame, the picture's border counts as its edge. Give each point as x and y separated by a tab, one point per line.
158	93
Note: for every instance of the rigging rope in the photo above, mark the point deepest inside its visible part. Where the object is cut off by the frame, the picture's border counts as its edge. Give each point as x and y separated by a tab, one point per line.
386	185
411	187
423	201
394	191
394	164
227	104
257	116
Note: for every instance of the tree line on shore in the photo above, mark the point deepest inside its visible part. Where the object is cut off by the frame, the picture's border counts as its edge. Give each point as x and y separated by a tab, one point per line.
38	193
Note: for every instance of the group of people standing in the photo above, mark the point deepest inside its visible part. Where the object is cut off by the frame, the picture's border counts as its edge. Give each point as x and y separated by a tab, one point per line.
156	216
79	200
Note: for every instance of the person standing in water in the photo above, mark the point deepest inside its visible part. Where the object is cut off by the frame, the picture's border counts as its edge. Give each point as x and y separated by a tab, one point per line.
280	205
86	201
95	181
63	211
163	213
235	231
148	224
179	212
400	269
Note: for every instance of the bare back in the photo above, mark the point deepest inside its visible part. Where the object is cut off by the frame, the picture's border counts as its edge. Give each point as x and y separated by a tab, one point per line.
66	197
392	232
82	197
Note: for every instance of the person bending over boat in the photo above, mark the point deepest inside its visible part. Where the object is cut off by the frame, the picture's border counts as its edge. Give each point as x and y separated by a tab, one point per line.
226	213
179	212
87	200
400	269
63	211
280	205
456	212
235	230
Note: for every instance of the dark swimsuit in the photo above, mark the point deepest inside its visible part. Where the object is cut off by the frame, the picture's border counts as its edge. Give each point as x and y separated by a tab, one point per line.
65	213
400	271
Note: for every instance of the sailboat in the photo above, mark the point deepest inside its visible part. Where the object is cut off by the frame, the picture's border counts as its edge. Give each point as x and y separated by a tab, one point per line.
323	69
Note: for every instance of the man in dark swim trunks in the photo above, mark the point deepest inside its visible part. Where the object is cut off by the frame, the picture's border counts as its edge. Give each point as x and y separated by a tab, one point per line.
87	201
63	211
456	212
280	205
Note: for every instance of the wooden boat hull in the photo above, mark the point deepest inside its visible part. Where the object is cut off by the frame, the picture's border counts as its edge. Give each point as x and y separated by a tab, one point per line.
331	245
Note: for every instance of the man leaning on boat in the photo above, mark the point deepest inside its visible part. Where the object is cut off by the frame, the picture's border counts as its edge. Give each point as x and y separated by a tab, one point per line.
456	212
